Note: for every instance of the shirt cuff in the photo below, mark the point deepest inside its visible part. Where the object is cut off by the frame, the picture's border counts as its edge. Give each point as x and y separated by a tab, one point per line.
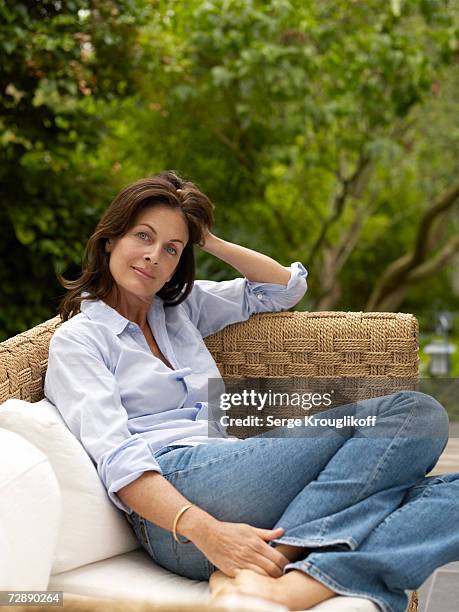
282	296
123	465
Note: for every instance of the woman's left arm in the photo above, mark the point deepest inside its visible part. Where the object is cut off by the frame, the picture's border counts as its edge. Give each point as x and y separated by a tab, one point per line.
255	266
267	286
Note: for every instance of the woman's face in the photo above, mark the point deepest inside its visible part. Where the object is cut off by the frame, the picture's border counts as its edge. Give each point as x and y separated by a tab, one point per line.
147	256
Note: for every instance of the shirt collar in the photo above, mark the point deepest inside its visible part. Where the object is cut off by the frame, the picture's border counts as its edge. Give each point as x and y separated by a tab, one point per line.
98	310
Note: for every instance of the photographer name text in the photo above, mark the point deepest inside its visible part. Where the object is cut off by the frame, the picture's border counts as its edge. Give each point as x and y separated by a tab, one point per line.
306	421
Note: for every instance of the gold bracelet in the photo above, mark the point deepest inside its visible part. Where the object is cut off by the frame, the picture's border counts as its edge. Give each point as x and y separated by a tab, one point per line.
174	528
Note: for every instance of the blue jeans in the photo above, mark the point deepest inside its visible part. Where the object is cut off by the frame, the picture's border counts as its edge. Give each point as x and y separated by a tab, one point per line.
357	499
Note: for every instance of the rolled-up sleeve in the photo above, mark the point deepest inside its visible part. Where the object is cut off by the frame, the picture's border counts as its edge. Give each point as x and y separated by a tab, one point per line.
212	305
86	393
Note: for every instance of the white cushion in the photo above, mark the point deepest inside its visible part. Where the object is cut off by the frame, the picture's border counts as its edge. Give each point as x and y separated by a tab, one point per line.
92	528
346	604
130	575
135	575
30	508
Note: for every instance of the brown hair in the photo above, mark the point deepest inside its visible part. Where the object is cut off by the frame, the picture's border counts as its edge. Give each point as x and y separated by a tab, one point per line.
160	190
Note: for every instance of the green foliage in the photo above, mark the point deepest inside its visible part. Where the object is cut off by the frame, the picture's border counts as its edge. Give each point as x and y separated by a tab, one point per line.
268	106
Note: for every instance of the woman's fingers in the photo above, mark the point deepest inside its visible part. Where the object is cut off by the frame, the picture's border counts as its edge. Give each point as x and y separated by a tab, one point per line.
269	534
269	567
272	553
246	547
275	557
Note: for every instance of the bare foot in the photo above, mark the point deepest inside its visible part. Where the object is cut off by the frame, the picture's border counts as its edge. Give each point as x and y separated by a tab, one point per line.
247	582
295	590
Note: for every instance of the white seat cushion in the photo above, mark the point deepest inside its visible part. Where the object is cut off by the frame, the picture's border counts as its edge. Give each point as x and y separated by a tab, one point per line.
30	506
92	528
346	604
134	574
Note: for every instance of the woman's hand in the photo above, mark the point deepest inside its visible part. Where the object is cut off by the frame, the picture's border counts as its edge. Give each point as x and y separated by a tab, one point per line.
233	546
207	240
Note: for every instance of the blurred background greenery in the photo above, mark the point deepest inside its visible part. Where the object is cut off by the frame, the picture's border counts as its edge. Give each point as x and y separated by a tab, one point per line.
324	131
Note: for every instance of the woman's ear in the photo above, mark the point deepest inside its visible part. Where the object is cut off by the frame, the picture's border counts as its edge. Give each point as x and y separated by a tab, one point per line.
108	246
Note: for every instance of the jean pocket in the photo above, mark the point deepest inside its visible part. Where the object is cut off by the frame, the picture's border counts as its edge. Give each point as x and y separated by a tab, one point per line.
138	524
146	538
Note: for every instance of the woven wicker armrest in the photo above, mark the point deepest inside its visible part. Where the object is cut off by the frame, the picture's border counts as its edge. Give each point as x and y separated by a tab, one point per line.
285	344
23	362
318	344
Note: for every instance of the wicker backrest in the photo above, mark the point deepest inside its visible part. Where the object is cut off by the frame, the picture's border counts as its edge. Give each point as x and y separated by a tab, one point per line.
287	344
318	344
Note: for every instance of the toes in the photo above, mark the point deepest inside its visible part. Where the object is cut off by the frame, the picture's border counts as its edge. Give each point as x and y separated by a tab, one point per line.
218	582
221	591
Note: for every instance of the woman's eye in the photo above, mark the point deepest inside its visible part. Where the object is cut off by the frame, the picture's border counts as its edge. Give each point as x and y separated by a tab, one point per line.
142	235
174	251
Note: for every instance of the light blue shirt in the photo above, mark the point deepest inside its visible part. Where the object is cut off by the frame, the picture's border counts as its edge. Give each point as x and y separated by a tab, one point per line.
121	401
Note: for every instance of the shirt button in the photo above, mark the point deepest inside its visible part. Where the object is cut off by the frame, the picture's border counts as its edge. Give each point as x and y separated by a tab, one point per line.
260	296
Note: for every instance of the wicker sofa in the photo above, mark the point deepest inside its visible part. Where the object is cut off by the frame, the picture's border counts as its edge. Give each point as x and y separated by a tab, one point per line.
375	346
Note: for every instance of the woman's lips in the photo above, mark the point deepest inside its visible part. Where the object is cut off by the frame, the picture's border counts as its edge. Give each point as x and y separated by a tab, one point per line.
143	274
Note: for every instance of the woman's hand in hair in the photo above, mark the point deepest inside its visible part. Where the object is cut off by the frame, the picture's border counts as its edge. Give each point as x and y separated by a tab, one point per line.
234	546
207	240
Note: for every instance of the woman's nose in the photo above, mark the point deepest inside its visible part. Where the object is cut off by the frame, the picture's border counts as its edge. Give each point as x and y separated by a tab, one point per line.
153	255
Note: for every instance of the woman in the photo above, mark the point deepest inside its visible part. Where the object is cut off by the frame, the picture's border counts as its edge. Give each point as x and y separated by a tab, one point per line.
128	370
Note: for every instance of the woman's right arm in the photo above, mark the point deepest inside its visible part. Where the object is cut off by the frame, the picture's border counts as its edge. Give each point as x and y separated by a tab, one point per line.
229	546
